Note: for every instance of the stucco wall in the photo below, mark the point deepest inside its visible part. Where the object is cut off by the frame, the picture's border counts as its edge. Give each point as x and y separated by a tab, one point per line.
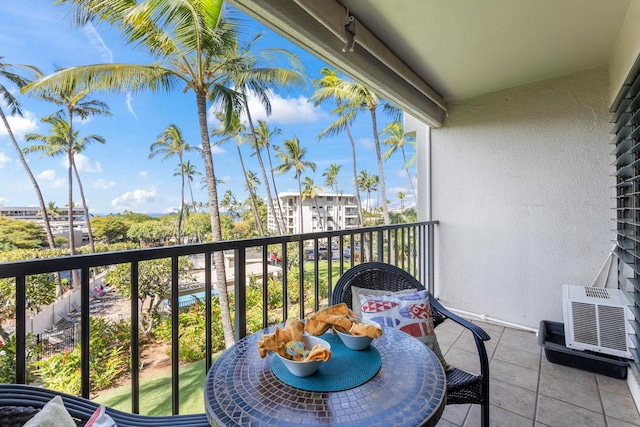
522	189
626	51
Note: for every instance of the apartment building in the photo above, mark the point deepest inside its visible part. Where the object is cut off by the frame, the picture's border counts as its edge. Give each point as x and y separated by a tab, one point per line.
325	212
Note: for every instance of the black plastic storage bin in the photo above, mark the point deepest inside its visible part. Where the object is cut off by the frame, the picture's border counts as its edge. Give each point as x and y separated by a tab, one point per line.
551	338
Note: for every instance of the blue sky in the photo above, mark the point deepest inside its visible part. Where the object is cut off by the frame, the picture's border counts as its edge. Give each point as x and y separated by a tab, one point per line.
118	175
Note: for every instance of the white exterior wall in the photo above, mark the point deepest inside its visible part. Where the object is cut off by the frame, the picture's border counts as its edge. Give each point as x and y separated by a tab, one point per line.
521	186
336	214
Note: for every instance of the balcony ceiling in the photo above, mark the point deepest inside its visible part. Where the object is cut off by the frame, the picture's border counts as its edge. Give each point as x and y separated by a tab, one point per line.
460	48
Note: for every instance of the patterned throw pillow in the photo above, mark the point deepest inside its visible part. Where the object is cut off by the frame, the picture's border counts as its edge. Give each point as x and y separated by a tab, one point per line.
410	313
355	297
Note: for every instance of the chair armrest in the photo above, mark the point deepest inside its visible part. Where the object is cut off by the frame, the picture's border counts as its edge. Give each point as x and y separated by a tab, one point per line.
475	329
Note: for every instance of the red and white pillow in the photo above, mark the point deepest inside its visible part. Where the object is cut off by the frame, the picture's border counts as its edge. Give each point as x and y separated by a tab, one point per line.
408	312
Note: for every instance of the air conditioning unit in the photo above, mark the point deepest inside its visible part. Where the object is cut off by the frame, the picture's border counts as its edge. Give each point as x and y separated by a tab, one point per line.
597	319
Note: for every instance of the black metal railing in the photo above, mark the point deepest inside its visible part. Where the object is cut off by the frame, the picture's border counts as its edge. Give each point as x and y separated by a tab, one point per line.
409	246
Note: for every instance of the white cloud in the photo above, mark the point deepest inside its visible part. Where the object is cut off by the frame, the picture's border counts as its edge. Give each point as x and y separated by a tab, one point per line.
47	175
283	111
3	201
129	105
4	159
50	175
143	174
102	184
84	164
366	143
98	43
216	149
131	200
286	110
171	209
20	125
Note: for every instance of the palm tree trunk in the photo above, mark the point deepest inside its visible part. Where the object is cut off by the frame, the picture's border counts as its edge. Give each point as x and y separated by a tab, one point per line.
252	195
385	210
280	214
264	172
181	201
216	229
355	174
413	190
300	194
43	207
85	208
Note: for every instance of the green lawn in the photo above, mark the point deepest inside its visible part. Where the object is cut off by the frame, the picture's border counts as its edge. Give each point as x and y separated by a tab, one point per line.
155	393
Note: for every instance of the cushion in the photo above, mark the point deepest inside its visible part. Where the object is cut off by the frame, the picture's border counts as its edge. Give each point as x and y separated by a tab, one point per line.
53	414
409	312
100	419
355	297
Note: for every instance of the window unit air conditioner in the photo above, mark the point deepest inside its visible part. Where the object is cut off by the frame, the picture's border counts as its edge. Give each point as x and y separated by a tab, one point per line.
596	319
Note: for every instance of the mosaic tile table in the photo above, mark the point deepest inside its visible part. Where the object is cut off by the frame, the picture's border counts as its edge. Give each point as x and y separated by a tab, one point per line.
408	390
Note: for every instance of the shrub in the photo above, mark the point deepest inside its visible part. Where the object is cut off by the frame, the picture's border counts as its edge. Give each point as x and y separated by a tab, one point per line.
109	345
191	324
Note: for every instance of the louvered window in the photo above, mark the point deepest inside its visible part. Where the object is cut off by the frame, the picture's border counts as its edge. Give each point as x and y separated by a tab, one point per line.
626	140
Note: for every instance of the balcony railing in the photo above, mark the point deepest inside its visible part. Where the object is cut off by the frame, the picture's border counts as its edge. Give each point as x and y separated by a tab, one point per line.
409	246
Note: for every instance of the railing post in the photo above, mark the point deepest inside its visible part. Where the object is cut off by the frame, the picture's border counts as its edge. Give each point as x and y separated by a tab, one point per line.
135	340
240	289
430	258
208	319
21	320
85	333
175	338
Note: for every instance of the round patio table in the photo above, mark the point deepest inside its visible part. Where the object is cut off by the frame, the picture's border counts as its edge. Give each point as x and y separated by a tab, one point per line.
408	390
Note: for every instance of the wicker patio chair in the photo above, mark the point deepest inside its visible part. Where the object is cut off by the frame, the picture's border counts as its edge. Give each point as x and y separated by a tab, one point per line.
462	386
19	403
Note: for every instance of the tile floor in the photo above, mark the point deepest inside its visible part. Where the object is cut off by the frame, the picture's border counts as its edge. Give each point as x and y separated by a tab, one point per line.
527	390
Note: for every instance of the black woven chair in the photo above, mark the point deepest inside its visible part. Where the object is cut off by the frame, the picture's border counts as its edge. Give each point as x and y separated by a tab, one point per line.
462	387
19	403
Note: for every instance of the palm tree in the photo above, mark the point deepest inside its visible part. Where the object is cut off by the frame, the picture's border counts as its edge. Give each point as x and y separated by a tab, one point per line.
252	74
171	143
251	184
331	178
56	144
52	211
73	103
311	190
189	171
328	88
402	196
187	36
231	204
264	135
292	157
235	130
6	72
367	183
396	140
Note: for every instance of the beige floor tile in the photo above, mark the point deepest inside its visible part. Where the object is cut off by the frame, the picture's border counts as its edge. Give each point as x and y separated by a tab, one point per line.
522	358
613	385
513	399
620	407
612	422
466	342
490	328
513	374
445	423
447	337
578	394
456	414
498	417
451	326
524	343
521	333
555	413
464	360
568	373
